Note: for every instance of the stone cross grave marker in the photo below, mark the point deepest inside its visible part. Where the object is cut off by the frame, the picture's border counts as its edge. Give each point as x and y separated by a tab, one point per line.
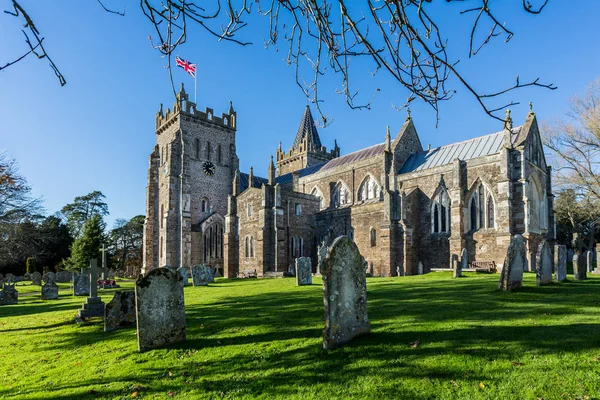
160	310
456	267
8	293
200	275
560	263
120	311
36	278
303	271
579	267
544	265
93	306
345	293
50	288
185	275
514	264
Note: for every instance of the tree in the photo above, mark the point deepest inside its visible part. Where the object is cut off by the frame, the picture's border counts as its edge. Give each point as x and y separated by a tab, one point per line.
575	147
399	37
576	215
16	203
126	242
87	246
30	266
82	209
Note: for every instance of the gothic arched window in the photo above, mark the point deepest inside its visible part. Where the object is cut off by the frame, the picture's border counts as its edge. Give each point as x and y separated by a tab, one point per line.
368	189
490	212
373	237
340	195
440	212
536	206
481	209
317	193
204	205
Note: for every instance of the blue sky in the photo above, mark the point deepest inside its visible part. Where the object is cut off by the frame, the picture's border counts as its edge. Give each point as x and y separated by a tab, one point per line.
96	132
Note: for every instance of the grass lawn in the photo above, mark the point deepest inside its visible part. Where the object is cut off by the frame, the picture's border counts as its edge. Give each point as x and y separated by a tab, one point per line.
262	339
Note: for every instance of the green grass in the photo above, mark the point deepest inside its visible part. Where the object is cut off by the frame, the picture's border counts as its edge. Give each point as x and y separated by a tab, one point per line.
262	339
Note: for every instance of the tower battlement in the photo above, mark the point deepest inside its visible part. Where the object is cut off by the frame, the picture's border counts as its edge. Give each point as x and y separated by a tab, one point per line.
183	106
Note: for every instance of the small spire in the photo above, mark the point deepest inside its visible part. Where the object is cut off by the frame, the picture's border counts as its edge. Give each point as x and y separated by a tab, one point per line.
508	124
408	117
251	177
271	172
161	109
182	90
387	139
271	165
236	182
231	110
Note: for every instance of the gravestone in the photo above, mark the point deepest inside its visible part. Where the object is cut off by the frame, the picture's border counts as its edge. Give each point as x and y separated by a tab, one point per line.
589	260
321	254
50	288
514	264
371	272
420	268
560	263
303	271
218	272
531	262
36	278
291	270
579	267
111	274
8	293
81	283
120	311
93	306
10	278
345	290
211	275
64	277
456	267
464	259
159	308
399	270
544	267
597	270
185	275
200	275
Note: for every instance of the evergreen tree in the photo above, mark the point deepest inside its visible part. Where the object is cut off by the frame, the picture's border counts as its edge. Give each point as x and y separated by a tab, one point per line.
87	246
30	265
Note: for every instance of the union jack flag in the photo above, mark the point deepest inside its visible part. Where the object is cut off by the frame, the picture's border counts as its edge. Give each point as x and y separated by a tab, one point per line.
187	66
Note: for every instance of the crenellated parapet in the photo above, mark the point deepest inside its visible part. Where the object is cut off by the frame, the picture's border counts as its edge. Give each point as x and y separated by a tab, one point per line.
188	109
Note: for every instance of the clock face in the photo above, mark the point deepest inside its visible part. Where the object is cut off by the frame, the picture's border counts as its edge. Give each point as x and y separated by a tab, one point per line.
208	168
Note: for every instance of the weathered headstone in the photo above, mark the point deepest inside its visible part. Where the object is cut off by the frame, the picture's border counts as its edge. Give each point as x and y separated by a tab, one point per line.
371	271
345	290
160	310
464	259
531	261
111	274
560	263
456	267
10	278
211	275
597	270
50	288
303	271
544	265
321	254
420	268
589	260
64	276
36	278
185	275
579	266
93	306
514	264
120	311
8	293
200	275
81	283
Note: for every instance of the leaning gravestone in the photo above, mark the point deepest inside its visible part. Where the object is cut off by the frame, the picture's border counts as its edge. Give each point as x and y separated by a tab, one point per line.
514	264
579	267
36	278
456	267
185	275
560	263
120	311
50	288
200	275
160	309
303	271
8	293
544	265
345	290
81	284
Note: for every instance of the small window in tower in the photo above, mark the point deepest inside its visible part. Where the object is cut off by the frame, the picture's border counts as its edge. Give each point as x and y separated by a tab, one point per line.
208	151
249	210
219	157
298	209
197	145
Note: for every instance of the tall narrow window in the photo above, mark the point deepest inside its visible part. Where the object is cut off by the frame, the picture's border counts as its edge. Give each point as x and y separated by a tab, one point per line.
162	215
490	212
474	213
440	217
208	151
298	209
443	218
197	146
436	217
373	237
219	156
249	210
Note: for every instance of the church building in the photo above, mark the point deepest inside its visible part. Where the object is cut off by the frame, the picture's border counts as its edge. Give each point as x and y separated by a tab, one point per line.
403	205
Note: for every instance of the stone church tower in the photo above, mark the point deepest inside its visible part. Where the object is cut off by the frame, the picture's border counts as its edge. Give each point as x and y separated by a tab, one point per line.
307	149
189	177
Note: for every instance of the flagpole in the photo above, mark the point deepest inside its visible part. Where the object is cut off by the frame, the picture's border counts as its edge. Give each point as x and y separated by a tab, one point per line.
195	79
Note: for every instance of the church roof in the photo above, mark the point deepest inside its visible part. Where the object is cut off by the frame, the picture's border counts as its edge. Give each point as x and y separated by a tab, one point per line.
308	129
258	181
472	148
355	156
